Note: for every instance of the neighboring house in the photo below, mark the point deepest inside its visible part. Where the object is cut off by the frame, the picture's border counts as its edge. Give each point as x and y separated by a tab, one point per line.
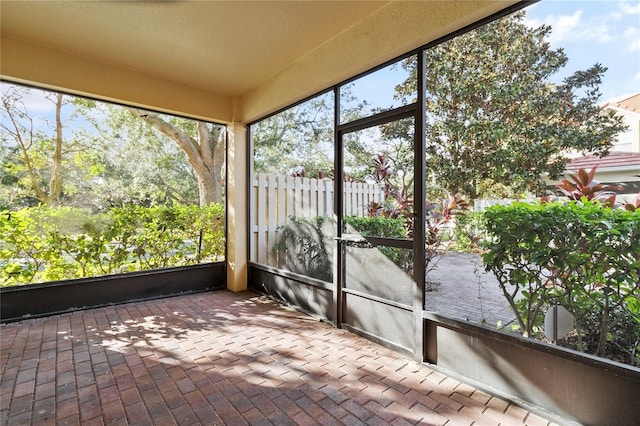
621	168
622	165
629	109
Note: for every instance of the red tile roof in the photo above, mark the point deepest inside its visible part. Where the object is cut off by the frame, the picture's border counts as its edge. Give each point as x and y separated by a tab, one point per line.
614	159
630	104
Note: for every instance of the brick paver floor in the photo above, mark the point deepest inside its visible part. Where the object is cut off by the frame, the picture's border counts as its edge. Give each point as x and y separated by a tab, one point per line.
222	358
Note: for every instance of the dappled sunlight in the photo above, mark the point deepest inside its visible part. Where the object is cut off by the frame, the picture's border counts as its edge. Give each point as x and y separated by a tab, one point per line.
370	271
220	358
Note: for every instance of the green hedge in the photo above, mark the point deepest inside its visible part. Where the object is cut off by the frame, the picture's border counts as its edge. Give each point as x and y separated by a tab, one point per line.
47	244
584	256
385	227
305	244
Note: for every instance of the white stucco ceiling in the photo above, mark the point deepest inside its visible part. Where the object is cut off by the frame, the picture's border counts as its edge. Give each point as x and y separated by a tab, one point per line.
227	61
225	47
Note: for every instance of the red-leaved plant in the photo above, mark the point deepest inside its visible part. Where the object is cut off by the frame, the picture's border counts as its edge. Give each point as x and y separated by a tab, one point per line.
583	185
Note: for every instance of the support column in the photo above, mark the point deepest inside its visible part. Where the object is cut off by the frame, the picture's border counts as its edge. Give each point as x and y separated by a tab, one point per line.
236	207
419	228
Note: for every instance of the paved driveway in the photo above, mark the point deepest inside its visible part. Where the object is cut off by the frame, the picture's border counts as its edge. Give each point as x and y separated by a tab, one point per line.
460	288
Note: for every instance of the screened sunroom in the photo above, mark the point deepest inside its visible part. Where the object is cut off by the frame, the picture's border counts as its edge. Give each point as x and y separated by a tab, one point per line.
334	157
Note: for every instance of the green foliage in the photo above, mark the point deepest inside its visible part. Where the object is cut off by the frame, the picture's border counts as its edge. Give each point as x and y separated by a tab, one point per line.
468	232
583	185
305	244
304	247
378	226
47	244
384	227
132	163
582	255
39	157
101	155
497	121
297	139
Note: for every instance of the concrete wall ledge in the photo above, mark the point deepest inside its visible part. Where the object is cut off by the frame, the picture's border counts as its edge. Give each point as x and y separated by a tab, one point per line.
39	300
578	387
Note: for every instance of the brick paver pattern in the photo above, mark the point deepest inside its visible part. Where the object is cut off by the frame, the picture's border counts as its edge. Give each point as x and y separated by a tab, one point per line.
222	358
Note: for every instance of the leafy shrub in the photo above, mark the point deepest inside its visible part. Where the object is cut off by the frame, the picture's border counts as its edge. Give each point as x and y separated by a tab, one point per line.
583	185
46	244
468	232
304	247
379	226
582	255
385	227
305	244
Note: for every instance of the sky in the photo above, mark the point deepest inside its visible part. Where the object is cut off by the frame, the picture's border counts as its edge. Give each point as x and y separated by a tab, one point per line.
590	31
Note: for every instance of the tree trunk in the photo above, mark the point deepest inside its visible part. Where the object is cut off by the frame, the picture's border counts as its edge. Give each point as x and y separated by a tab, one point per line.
210	181
55	183
206	155
604	329
25	144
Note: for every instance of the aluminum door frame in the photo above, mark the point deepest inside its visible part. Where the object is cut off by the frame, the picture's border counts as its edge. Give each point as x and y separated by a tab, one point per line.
388	322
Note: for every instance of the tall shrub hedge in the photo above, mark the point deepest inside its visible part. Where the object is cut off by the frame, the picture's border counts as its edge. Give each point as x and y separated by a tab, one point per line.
582	255
46	244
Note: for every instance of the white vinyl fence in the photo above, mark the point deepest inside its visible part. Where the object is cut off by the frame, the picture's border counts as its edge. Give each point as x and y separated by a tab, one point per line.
276	198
